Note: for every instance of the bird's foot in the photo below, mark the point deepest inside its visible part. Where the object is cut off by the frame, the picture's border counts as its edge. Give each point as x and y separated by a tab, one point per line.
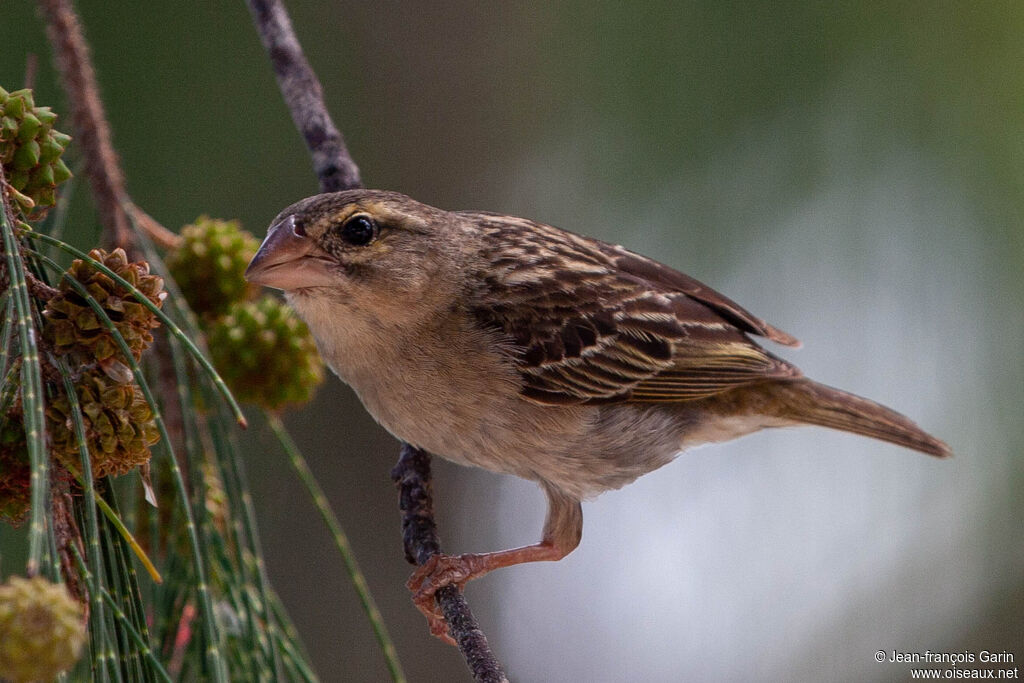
436	573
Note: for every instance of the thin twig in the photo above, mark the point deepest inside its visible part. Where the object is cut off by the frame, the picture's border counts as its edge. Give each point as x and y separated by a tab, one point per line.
149	225
305	98
419	533
336	171
68	537
88	119
40	289
31	68
92	130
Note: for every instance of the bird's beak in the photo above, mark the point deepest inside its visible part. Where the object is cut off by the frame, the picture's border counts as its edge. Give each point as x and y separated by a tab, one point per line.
288	260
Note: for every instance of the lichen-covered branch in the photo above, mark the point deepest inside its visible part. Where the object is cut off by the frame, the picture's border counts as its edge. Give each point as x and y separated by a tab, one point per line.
305	98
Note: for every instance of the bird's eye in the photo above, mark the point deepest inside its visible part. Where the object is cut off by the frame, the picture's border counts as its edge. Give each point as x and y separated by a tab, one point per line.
359	231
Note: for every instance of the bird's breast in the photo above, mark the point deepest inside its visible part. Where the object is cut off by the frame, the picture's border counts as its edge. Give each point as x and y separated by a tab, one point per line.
443	384
449	388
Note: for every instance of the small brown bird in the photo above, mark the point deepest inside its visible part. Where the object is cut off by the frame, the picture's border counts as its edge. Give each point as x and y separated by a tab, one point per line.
521	348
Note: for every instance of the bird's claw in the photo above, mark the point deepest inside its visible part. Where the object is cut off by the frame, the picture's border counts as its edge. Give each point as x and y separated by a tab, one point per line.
433	575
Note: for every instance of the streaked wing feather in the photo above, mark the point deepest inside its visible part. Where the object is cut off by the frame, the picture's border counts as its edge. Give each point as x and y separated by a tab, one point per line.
656	273
590	322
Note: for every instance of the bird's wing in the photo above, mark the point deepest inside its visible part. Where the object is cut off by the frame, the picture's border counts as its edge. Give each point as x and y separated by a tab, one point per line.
593	322
659	275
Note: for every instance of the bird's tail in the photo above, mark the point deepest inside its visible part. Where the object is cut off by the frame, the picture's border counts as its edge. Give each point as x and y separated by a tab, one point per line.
805	401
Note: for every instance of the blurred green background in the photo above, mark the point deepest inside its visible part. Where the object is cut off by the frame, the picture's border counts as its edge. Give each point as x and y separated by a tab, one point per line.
852	172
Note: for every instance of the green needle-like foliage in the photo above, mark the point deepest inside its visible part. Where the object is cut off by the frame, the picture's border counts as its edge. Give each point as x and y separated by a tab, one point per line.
213	577
95	355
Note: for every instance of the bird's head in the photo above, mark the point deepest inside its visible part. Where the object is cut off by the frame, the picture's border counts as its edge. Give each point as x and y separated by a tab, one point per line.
363	247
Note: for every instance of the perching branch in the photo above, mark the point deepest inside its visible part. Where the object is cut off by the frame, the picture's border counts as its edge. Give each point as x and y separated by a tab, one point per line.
304	97
92	130
419	533
336	171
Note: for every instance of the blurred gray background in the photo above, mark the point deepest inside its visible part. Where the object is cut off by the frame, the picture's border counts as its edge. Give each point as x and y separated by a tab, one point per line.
852	172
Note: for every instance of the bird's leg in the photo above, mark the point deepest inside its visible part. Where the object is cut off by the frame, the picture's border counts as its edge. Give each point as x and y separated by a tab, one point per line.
562	531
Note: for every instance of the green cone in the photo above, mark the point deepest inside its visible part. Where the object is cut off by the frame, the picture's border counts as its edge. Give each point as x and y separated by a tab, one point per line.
266	354
42	629
210	263
30	151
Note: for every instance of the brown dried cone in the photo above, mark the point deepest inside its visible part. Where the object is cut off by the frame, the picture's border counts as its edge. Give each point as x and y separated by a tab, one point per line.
73	327
119	425
15	470
266	354
30	151
209	265
42	629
